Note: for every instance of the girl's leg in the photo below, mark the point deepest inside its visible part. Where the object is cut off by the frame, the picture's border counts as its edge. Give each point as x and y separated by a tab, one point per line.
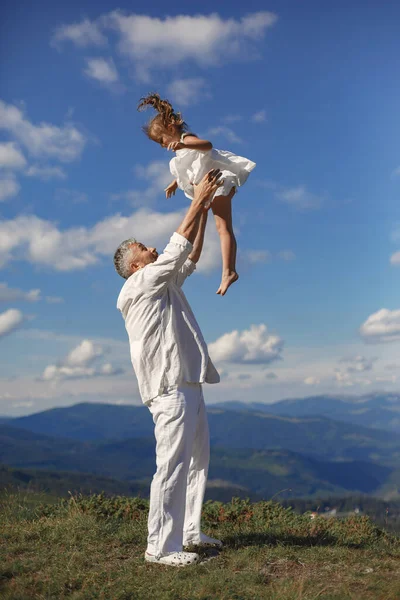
222	209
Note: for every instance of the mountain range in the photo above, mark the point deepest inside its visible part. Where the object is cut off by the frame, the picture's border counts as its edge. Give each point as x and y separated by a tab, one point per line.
378	410
315	436
258	473
254	452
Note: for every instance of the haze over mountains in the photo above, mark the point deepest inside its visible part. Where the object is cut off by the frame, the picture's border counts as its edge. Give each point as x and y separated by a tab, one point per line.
380	411
257	449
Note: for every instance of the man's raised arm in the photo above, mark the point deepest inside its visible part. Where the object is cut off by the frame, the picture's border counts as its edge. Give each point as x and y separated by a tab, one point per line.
202	192
199	239
190	263
154	277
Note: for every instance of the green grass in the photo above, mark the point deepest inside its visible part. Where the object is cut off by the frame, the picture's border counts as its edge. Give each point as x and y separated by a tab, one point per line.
92	547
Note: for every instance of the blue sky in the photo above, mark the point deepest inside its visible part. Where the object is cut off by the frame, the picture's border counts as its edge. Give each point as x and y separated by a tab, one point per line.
308	91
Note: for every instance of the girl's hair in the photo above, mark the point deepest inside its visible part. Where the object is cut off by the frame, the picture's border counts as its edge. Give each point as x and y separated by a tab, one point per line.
166	116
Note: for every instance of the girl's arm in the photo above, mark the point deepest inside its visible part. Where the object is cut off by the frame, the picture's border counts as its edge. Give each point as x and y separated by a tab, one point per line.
191	142
171	189
194	143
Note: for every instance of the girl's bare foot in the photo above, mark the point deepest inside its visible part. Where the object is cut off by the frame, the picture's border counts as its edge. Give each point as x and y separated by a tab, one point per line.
226	281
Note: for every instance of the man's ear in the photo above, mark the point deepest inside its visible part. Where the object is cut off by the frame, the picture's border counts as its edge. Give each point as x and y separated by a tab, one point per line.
134	267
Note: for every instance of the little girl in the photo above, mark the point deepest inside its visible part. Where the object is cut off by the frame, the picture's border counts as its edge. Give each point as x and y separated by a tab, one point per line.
194	158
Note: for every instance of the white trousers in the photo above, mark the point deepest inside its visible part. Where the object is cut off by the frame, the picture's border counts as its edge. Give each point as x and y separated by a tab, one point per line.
182	457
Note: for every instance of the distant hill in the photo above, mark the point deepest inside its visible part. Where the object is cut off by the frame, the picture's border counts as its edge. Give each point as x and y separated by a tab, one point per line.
379	411
319	437
89	421
257	473
58	483
6	420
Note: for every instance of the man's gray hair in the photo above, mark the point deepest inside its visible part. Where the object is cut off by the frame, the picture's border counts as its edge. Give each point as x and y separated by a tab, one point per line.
123	257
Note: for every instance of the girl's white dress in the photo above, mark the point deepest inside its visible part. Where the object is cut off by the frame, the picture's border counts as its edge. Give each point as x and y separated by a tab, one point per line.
191	165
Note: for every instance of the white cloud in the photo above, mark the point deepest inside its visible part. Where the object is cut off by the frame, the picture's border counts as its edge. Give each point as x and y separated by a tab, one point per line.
83	354
11	157
108	369
232	119
358	364
85	33
257	256
271	376
188	91
382	326
225	132
52	372
254	345
286	255
9	186
8	294
77	363
41	242
264	256
395	258
343	379
259	117
101	69
45	173
152	43
389	379
67	196
44	140
395	235
54	300
299	197
157	175
311	381
396	172
10	320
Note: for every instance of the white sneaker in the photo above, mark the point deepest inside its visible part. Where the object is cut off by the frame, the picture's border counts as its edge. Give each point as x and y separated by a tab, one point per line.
205	540
174	559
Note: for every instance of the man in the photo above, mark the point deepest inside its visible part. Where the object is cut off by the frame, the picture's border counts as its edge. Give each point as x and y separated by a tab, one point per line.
170	359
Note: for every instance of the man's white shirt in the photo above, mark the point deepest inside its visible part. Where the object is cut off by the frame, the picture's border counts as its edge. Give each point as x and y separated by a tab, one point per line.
166	344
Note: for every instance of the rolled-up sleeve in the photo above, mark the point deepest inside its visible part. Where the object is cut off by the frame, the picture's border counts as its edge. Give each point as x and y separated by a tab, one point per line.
156	276
186	269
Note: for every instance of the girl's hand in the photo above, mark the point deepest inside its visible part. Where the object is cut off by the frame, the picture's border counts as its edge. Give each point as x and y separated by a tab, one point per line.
174	146
171	189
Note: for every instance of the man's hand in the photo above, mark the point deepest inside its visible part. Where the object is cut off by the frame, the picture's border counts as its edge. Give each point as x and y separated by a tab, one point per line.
205	190
203	193
171	189
174	146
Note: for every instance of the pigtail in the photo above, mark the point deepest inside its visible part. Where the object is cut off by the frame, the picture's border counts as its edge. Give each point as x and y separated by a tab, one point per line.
166	114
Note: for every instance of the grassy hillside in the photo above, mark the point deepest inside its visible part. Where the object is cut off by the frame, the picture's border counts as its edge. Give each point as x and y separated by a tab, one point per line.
54	485
385	514
92	547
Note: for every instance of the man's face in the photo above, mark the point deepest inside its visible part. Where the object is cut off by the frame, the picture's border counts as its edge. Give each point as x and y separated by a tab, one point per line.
142	255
